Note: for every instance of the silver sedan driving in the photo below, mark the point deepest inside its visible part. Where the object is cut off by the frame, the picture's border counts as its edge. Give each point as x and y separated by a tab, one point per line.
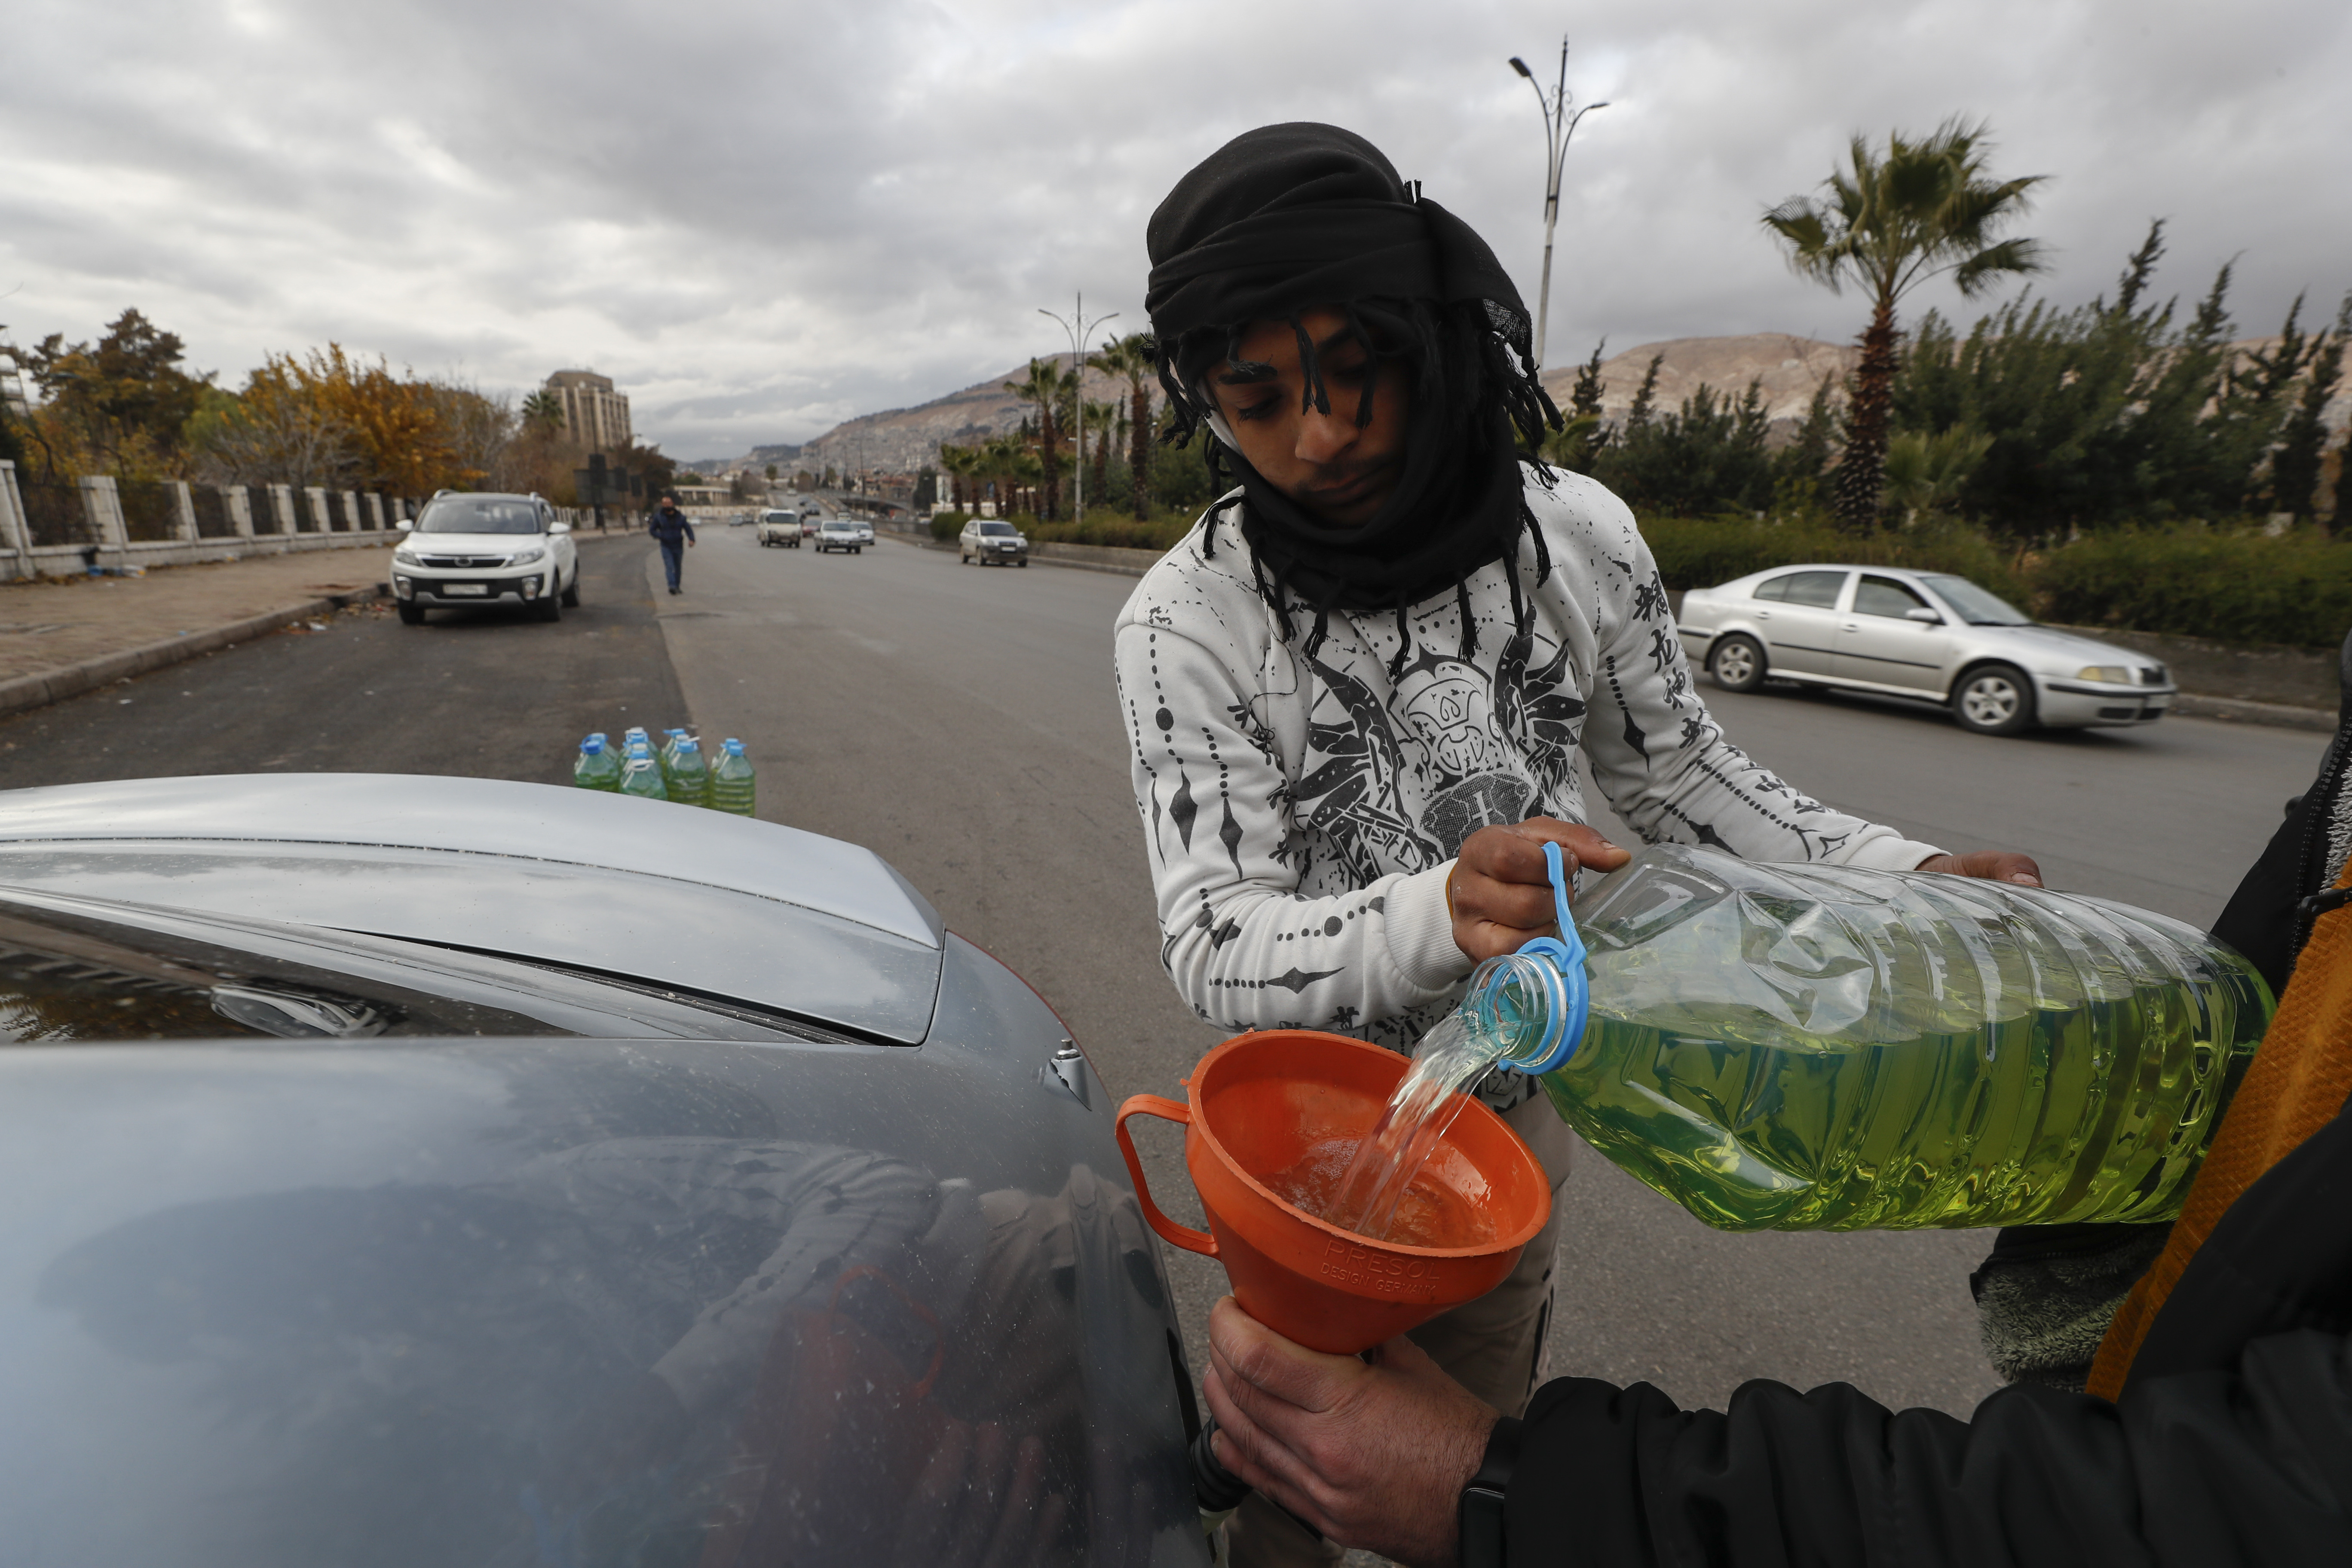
1926	634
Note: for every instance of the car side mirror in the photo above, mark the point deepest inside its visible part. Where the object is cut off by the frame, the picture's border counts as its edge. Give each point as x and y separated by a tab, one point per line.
559	528
405	524
1925	616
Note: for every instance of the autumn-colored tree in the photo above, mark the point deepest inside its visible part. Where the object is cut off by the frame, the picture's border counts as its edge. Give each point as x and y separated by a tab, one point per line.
116	406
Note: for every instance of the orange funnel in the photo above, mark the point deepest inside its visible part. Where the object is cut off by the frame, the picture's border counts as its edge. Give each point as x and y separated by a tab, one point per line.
1258	1105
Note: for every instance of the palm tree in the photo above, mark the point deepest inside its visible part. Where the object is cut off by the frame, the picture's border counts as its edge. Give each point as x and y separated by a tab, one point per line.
1136	357
1102	418
543	410
1002	460
1888	224
1048	387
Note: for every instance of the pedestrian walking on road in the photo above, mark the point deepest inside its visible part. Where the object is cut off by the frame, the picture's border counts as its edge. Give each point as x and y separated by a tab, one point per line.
1357	692
676	533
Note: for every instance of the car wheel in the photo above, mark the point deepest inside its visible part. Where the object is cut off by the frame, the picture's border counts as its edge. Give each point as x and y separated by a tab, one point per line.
1736	662
550	610
1024	561
961	559
1994	699
572	591
411	614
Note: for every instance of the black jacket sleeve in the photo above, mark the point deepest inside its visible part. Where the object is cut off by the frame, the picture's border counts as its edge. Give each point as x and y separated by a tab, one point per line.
2198	1470
2232	1444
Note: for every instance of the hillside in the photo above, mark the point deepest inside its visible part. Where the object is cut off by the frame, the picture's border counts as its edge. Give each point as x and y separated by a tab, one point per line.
1789	368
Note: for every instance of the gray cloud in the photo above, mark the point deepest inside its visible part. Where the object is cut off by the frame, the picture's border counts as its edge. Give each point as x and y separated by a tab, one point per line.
761	219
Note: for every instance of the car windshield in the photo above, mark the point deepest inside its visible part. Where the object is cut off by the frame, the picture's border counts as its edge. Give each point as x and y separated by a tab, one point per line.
479	514
995	530
1976	606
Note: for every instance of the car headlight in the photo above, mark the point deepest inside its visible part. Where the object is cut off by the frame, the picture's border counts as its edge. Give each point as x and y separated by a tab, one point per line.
525	557
2114	673
405	556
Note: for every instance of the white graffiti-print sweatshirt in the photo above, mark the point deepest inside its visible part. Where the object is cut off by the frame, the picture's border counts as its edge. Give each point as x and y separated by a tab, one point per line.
1302	811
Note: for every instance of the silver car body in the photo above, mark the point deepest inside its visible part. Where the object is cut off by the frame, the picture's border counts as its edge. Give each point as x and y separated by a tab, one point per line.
1858	633
692	1196
446	569
844	533
985	539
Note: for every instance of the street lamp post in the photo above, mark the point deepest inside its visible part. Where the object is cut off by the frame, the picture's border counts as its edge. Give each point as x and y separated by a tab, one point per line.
1558	127
1079	328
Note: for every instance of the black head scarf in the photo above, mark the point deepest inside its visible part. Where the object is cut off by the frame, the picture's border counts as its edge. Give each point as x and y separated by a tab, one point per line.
1291	217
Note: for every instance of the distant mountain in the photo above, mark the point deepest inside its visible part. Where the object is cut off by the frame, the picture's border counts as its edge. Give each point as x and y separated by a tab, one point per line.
1788	367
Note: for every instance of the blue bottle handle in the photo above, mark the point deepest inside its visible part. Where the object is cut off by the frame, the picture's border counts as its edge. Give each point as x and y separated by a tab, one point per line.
1571	999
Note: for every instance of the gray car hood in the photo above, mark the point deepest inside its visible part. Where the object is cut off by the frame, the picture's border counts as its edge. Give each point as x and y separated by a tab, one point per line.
2060	647
673	895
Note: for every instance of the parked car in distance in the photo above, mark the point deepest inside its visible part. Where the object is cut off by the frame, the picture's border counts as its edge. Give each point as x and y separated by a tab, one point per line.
1926	636
844	533
779	526
420	1170
985	539
481	549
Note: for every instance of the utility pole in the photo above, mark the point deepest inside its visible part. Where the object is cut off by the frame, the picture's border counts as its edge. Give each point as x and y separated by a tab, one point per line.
1079	328
1558	127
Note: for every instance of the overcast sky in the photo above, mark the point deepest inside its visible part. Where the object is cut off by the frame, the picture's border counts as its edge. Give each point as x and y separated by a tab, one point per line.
763	217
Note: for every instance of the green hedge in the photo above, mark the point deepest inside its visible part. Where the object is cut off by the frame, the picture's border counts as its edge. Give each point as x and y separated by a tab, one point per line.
948	526
2233	585
1699	552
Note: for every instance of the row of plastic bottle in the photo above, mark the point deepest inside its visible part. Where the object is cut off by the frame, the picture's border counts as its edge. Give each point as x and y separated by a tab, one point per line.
678	772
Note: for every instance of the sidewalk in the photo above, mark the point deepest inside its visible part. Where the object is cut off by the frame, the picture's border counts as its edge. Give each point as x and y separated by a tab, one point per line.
61	636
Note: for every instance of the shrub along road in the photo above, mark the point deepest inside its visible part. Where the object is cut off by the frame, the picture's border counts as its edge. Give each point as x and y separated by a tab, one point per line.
961	722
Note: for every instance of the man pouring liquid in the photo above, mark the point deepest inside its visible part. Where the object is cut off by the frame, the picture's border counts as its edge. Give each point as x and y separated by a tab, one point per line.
1357	691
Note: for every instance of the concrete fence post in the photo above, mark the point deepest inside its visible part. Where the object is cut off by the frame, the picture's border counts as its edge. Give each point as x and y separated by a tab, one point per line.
16	533
352	523
282	508
316	495
184	499
101	506
374	512
236	502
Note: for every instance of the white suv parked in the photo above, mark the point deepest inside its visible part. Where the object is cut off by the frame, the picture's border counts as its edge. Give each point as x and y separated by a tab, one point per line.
481	549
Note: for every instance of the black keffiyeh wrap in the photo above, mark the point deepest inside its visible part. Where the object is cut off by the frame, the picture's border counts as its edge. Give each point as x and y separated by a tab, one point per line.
1288	218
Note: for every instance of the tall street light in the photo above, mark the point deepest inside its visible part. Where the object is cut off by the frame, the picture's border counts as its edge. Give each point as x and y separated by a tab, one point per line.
1079	328
1558	127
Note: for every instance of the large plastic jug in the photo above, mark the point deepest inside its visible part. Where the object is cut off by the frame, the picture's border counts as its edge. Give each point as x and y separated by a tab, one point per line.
641	773
1811	1047
687	776
734	783
596	767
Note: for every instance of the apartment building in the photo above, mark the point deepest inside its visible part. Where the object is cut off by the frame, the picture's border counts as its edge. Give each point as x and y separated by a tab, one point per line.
595	415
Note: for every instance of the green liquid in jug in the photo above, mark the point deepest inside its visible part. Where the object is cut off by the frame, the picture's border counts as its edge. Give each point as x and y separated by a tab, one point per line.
1814	1048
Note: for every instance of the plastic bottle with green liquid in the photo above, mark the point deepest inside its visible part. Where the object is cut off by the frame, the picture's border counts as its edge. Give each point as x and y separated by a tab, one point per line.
641	773
1815	1047
687	776
733	783
596	767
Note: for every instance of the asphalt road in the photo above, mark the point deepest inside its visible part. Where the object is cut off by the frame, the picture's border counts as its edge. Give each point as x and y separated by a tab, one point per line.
960	722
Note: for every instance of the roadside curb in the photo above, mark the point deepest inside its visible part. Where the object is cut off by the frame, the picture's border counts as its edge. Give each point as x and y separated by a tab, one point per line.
1035	554
2277	715
30	691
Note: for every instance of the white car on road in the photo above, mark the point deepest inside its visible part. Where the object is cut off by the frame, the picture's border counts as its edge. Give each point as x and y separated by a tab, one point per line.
844	533
1925	634
468	549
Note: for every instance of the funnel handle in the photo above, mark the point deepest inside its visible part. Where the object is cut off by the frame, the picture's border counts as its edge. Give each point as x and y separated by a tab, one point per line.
1174	1235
